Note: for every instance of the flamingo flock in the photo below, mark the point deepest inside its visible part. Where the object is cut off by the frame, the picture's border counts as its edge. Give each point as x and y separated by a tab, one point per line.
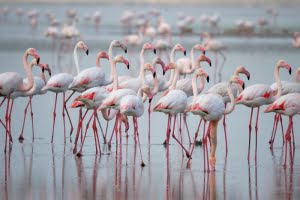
120	98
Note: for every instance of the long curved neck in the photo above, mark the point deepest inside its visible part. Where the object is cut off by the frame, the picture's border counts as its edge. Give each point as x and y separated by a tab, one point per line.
110	51
76	59
42	75
28	86
194	85
140	92
98	61
109	117
278	81
142	61
155	84
192	61
172	58
202	84
230	108
297	76
114	76
173	85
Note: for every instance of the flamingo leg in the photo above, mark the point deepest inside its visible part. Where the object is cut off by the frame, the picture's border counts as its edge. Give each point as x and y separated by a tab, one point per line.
193	145
54	116
250	128
3	100
282	131
63	115
86	129
69	97
69	118
96	116
78	132
173	135
6	122
256	129
115	127
9	118
104	138
187	128
149	122
204	145
287	139
293	136
138	139
225	133
106	129
166	142
95	131
21	137
31	114
274	129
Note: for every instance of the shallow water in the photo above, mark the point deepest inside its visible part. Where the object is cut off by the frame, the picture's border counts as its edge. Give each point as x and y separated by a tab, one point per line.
42	170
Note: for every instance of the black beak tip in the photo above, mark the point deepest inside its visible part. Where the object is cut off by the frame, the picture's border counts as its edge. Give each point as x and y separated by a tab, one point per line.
204	52
43	70
248	77
154	74
210	64
184	53
128	66
38	60
243	86
290	71
49	74
164	72
150	100
87	52
207	79
125	50
154	51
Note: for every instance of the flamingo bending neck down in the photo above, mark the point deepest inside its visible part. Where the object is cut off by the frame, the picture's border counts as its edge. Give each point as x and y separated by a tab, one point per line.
13	82
211	107
257	95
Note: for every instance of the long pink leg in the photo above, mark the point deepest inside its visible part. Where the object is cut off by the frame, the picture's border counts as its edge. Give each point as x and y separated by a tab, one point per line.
96	131
115	127
104	138
224	126
166	142
256	129
63	115
287	139
86	129
78	132
282	131
138	139
4	98
187	128
195	139
21	137
6	122
68	115
149	122
9	118
107	125
31	114
173	135
180	119
54	116
250	128
204	149
274	130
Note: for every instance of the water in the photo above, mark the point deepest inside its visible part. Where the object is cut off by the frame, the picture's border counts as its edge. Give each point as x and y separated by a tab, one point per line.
41	170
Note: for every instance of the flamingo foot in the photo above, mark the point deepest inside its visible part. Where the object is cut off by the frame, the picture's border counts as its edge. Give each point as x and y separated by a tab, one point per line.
79	154
143	164
198	143
21	139
74	150
188	155
165	143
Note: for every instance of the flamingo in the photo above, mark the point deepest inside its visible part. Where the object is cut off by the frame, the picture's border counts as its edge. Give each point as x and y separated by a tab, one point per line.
221	89
217	47
13	82
260	94
59	83
211	107
39	83
133	105
288	105
91	94
287	87
173	102
296	40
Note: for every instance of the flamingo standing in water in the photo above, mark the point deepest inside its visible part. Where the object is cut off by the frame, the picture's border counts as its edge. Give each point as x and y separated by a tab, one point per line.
39	83
288	105
59	83
217	47
221	89
260	94
287	87
90	94
13	82
211	107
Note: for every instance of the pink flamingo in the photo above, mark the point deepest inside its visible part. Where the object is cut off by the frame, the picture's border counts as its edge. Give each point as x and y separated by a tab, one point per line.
211	107
13	82
288	105
221	89
287	87
39	83
59	83
173	102
260	94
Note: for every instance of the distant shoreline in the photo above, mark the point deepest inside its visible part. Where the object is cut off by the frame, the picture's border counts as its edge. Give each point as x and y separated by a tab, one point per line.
158	2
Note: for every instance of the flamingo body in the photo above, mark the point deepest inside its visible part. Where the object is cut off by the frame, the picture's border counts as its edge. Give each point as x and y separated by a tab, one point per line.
59	83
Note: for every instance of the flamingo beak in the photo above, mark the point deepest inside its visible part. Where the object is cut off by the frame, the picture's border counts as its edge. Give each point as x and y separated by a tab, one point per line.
87	52
184	52
43	70
154	50
38	60
290	70
248	77
243	86
154	74
150	99
207	79
208	61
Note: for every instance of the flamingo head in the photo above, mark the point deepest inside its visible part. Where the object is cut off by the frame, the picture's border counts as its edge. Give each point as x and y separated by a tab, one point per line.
179	47
242	70
158	60
284	64
146	90
102	54
121	59
149	67
44	67
116	43
203	58
200	72
170	65
83	46
33	53
200	48
150	47
237	80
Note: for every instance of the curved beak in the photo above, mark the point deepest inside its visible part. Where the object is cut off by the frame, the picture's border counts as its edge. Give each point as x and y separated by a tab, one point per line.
43	69
243	86
290	70
154	74
150	99
154	50
124	48
38	60
207	79
87	52
184	52
248	77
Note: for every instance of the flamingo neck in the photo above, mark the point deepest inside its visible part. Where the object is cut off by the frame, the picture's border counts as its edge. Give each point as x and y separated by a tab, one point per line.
192	62
109	117
98	61
201	85
297	76
76	60
142	61
110	50
194	86
155	88
173	85
42	75
144	97
278	81
28	86
140	92
172	58
114	76
230	108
